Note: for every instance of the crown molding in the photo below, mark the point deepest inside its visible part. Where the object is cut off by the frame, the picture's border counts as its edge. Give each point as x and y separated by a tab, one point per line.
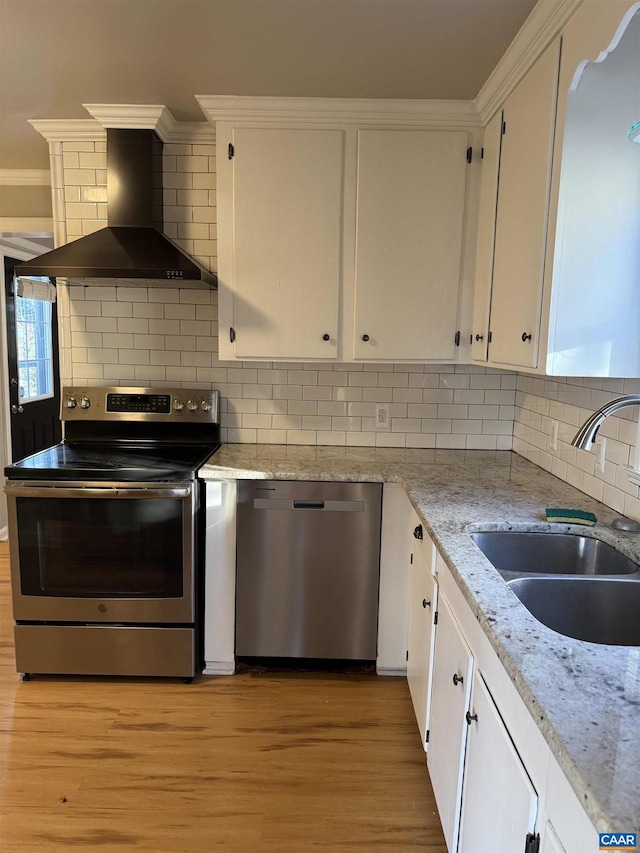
25	178
69	130
341	111
154	117
546	21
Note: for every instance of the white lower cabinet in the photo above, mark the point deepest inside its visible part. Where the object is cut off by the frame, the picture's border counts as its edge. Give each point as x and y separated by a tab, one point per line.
495	783
423	604
452	669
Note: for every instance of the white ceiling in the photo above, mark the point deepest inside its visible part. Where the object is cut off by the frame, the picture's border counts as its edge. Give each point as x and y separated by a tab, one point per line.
56	55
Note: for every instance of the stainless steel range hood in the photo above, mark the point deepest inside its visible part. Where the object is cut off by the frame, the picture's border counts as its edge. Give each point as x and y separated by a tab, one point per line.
132	248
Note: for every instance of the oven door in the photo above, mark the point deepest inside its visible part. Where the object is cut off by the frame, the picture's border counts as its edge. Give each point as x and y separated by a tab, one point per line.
92	552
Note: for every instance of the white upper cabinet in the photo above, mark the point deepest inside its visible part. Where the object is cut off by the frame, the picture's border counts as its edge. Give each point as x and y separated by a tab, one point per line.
286	215
562	281
410	216
341	228
521	222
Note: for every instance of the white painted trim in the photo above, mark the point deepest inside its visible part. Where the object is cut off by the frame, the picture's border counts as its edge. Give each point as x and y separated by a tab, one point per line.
35	227
154	117
132	116
10	245
546	21
93	130
69	130
24	178
342	111
219	668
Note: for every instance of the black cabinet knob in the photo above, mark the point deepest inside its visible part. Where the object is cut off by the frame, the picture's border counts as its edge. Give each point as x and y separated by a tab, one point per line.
326	337
479	337
471	717
418	534
426	603
365	338
458	679
525	337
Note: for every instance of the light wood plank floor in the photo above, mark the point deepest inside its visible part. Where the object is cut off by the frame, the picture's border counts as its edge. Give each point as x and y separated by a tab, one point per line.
245	764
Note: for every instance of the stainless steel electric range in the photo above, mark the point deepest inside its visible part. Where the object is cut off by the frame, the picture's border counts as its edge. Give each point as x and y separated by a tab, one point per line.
106	535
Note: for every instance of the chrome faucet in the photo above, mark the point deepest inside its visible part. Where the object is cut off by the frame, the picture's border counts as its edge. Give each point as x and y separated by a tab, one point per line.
589	429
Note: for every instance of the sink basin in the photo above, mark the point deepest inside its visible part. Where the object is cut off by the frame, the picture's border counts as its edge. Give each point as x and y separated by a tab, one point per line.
597	610
551	554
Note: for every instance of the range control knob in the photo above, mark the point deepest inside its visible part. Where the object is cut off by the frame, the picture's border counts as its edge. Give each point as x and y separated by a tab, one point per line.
206	406
85	402
178	405
70	402
192	405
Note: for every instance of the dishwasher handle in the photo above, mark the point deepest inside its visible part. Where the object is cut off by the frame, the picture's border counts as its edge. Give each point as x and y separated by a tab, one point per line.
324	506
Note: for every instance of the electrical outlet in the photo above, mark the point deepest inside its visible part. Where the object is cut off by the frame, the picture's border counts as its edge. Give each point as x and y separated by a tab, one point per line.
553	441
600	448
382	416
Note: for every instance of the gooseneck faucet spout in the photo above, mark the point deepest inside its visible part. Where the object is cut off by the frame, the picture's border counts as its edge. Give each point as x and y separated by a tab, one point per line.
589	429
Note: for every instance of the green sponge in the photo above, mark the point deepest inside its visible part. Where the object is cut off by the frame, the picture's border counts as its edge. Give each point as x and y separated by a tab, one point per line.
571	516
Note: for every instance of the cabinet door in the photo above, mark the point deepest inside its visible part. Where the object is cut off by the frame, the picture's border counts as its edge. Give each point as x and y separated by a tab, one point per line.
499	804
287	234
523	206
423	603
453	665
410	213
486	237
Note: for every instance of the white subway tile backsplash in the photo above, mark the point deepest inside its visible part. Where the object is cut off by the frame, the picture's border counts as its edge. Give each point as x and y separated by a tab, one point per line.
169	335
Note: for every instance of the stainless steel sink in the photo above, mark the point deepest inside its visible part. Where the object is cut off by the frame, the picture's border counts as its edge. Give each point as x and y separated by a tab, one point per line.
598	610
517	552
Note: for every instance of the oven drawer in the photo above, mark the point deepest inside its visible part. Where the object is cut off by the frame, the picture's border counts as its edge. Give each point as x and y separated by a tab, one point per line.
105	650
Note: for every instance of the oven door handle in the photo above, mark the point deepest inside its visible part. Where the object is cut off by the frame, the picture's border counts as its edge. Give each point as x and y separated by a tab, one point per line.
97	492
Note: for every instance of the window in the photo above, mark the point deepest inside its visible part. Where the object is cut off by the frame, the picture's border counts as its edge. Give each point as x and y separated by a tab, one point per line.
33	340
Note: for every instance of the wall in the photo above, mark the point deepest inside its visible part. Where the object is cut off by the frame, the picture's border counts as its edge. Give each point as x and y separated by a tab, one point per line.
570	401
133	335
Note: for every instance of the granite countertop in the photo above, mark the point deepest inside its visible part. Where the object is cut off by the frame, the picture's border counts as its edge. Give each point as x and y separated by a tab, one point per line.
584	697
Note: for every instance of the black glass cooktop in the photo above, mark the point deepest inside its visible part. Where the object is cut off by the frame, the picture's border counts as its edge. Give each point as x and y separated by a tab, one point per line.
136	463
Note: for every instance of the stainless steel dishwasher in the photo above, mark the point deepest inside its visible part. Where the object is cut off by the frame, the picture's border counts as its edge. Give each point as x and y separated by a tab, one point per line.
308	567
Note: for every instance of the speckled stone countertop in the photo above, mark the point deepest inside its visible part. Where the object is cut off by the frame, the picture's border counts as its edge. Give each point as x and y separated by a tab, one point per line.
584	697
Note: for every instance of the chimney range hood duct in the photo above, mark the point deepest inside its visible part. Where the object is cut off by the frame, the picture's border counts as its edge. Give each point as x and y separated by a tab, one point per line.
132	248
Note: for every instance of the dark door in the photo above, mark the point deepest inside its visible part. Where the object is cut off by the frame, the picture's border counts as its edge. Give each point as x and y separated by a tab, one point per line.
33	373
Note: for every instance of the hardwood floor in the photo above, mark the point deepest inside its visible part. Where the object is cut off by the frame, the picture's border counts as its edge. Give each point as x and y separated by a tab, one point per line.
245	764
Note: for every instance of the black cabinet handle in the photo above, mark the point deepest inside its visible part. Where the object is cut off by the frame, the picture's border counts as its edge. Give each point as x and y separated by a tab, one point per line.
365	338
458	679
418	534
479	337
426	603
471	717
525	337
326	337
